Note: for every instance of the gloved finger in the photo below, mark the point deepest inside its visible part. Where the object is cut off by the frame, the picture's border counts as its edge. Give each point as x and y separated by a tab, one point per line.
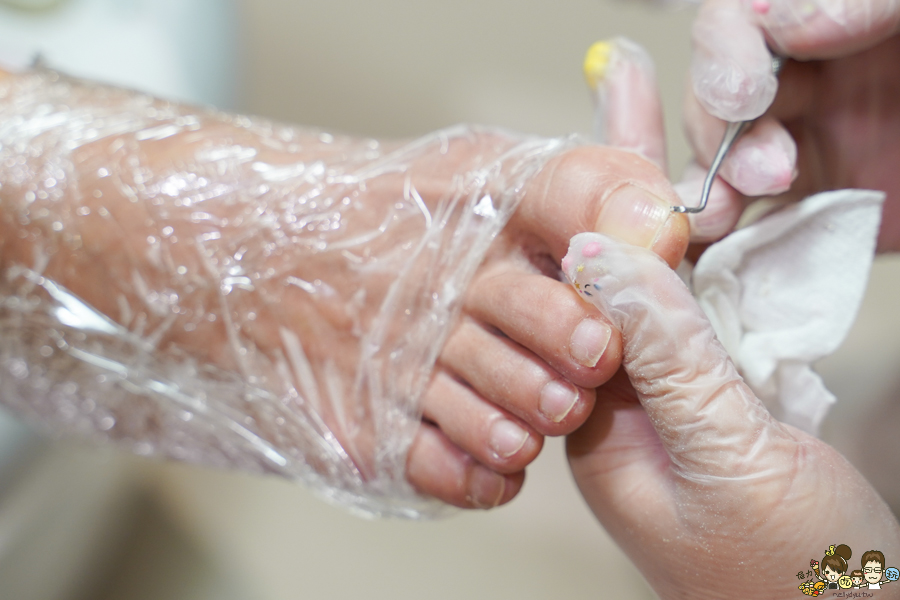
822	29
763	161
731	68
723	209
704	131
708	420
627	104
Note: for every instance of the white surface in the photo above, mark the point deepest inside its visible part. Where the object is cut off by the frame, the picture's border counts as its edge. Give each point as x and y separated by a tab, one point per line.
783	292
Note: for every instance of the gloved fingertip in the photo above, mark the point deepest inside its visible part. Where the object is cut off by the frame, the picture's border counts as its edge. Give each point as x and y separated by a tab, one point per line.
731	67
722	211
731	91
700	407
763	162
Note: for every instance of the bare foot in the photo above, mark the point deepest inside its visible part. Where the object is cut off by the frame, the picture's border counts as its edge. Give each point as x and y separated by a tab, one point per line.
527	354
274	299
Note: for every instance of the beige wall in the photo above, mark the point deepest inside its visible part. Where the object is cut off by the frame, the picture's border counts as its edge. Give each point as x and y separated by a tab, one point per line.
406	67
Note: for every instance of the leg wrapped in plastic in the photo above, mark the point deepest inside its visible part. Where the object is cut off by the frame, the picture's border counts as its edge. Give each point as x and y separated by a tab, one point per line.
228	291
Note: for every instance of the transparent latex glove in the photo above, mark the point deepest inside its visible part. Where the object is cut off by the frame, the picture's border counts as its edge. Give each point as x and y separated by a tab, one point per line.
628	110
834	122
706	492
373	319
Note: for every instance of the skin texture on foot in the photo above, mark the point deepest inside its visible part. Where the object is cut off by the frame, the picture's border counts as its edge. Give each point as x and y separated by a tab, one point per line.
708	494
526	349
233	292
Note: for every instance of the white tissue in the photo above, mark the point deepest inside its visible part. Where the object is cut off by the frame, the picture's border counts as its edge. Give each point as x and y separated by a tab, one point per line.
783	292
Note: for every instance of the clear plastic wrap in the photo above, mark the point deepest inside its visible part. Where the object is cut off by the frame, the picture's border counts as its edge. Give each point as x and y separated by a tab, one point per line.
227	291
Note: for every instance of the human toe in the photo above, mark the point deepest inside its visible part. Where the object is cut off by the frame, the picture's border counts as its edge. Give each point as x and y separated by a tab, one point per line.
515	379
609	191
436	467
490	434
547	317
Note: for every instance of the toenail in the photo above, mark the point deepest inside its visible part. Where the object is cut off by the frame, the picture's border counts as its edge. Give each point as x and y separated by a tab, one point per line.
485	487
634	216
589	341
507	438
557	400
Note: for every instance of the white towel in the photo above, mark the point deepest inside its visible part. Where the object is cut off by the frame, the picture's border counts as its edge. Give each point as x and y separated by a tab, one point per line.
783	293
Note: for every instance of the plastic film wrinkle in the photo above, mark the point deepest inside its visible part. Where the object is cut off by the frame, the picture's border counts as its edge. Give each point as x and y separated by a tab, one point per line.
233	292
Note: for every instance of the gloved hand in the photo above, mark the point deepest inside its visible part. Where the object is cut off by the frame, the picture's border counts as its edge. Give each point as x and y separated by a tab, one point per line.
834	122
706	492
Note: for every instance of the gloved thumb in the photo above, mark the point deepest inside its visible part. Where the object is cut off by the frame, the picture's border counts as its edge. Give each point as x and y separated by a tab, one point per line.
709	421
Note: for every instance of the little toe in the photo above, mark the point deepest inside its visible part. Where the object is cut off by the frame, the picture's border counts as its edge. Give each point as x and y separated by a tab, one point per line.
514	378
491	435
436	467
550	319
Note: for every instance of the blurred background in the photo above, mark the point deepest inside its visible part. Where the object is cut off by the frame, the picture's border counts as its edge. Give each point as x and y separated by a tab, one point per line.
78	522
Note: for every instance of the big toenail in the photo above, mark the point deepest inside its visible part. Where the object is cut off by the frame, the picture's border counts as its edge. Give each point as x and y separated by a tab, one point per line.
485	487
634	216
589	341
507	438
557	400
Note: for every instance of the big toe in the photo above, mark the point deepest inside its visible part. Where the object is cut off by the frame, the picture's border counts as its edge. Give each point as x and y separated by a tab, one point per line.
605	190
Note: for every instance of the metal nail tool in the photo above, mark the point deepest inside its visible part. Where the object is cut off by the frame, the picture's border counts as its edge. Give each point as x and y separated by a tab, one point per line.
732	132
